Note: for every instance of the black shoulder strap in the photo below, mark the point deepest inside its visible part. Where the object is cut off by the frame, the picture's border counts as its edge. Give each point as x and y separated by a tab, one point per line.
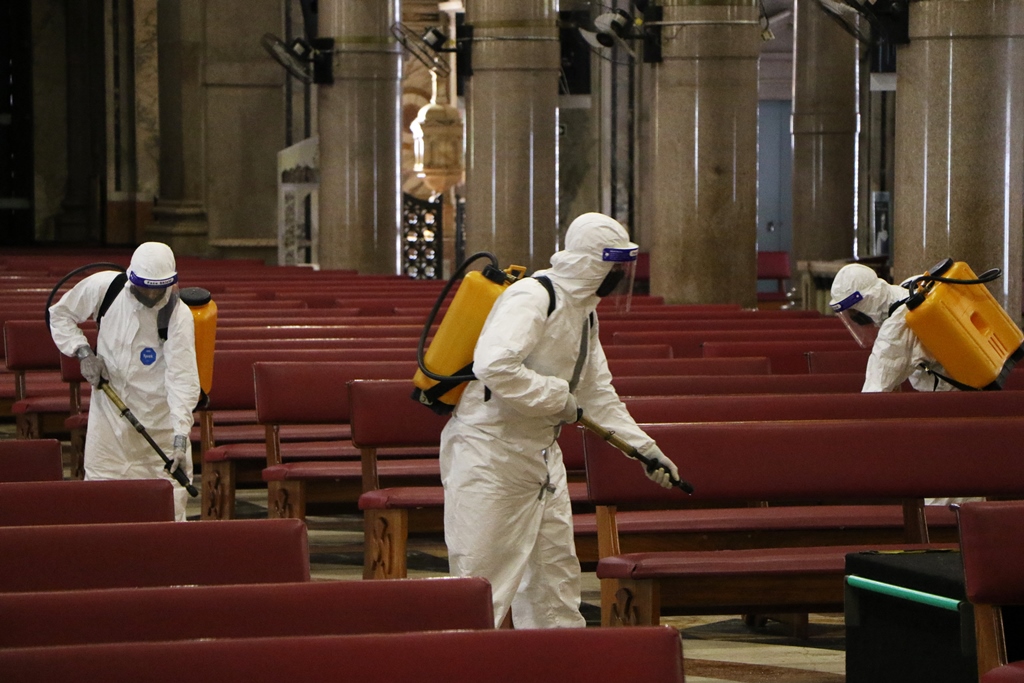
115	288
897	304
949	380
163	316
551	291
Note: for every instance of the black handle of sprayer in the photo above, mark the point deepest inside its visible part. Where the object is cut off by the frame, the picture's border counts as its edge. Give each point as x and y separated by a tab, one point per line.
181	478
652	465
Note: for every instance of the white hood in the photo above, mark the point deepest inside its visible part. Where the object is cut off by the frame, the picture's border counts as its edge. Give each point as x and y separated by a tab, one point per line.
578	268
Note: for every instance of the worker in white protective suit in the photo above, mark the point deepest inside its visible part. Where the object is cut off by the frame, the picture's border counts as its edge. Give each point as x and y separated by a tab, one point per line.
156	378
872	310
867	305
507	514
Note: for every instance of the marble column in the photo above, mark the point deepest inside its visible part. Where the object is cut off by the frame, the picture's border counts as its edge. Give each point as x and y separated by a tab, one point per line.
180	213
824	129
511	127
132	119
703	132
358	119
147	114
959	186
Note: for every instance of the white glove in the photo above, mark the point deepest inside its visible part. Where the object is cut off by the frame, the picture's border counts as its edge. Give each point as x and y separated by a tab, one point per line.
94	368
664	470
179	456
570	411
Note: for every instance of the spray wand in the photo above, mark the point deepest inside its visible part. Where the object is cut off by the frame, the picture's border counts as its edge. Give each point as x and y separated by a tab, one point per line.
629	450
178	474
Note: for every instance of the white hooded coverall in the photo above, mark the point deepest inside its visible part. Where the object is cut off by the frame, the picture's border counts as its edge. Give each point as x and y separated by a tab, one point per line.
507	514
897	354
157	380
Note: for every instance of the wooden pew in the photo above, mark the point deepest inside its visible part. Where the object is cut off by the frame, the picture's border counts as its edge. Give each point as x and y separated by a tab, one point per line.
483	656
31	352
86	556
736	384
787	357
686	367
31	460
293	468
993	552
387	511
299	393
289	408
233	390
912	459
124	615
688	344
86	502
853	361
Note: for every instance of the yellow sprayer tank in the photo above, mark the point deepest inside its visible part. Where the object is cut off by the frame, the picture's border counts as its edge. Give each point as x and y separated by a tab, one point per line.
451	350
966	329
204	314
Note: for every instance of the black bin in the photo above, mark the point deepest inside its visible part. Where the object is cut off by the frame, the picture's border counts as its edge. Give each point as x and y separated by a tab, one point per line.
925	634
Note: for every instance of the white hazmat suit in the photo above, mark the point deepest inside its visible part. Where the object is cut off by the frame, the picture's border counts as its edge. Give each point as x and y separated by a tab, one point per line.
157	380
897	354
507	514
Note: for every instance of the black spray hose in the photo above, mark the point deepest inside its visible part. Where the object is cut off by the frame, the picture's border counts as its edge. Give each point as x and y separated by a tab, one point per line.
433	314
70	275
988	276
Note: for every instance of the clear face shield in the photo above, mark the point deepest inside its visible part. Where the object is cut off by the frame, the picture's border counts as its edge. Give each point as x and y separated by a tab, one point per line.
861	327
150	292
618	284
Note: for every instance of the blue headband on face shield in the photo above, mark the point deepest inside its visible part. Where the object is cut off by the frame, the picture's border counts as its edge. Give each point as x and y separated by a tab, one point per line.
618	255
145	282
841	306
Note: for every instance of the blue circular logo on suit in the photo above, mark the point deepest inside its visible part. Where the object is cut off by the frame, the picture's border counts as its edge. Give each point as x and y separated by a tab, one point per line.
148	356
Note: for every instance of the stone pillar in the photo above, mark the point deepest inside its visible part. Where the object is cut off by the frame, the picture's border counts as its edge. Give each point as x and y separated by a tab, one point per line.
180	213
358	121
132	119
959	187
824	135
511	125
704	134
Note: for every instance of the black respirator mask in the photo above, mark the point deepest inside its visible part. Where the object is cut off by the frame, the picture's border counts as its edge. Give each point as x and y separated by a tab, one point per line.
148	296
610	282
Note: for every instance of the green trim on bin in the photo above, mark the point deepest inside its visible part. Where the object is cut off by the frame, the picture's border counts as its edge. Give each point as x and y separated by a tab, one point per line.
903	593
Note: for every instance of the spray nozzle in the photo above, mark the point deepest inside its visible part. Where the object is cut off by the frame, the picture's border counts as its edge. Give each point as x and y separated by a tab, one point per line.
494	274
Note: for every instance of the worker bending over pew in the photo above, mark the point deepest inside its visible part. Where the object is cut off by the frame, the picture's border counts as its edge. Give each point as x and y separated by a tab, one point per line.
145	349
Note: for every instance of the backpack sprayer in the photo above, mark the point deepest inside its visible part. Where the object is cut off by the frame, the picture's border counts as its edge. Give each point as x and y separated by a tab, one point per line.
204	315
963	326
451	350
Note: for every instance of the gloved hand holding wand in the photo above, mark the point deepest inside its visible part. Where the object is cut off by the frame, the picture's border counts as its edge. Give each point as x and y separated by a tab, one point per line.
177	472
653	465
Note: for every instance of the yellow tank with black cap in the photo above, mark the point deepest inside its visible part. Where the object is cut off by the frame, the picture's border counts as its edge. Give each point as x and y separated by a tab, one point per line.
204	314
446	367
963	325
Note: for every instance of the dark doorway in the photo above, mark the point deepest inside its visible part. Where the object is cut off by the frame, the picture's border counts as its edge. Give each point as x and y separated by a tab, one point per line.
16	172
